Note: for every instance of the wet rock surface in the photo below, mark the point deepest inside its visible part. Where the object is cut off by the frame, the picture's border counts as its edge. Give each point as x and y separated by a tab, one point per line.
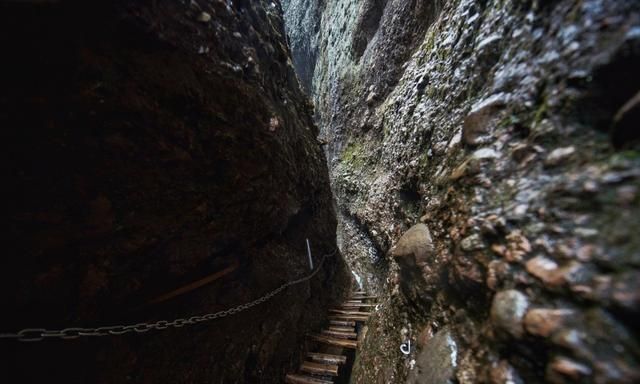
436	362
500	126
149	145
507	311
420	270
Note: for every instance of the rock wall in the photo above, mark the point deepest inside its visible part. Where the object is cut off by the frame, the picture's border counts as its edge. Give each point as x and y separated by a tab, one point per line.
504	127
148	145
304	16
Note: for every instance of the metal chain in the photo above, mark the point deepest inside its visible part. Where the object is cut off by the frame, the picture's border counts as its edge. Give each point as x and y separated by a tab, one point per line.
39	334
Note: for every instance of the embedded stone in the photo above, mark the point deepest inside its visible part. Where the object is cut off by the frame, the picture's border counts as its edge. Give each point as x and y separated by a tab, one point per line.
472	243
626	194
566	367
543	321
542	268
496	272
476	127
518	246
436	362
521	151
425	335
503	373
508	310
414	247
550	273
204	17
422	83
559	155
371	98
274	123
485	153
585	232
571	339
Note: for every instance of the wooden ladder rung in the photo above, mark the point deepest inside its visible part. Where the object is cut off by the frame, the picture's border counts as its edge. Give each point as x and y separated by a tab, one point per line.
362	297
339	334
354	301
342	329
348	317
342	316
335	342
319	369
344	312
345	323
326	358
358	305
294	378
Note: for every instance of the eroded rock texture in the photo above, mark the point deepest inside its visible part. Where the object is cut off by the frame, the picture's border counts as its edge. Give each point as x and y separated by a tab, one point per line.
505	127
148	145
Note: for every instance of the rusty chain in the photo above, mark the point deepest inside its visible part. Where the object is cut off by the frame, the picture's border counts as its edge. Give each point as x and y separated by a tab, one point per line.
39	334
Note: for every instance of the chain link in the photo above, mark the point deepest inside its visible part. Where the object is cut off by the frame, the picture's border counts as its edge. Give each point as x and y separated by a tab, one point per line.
39	334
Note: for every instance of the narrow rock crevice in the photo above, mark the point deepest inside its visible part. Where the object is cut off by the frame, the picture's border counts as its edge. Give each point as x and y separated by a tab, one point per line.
474	164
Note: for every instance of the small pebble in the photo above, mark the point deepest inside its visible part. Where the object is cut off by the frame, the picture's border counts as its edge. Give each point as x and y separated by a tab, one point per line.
544	321
569	368
626	194
204	17
504	373
274	124
559	155
472	243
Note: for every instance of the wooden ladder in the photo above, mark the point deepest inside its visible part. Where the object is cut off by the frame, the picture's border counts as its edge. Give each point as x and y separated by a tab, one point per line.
334	341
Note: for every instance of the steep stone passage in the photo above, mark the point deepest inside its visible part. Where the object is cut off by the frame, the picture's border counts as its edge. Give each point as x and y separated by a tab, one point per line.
163	163
497	128
148	147
335	348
